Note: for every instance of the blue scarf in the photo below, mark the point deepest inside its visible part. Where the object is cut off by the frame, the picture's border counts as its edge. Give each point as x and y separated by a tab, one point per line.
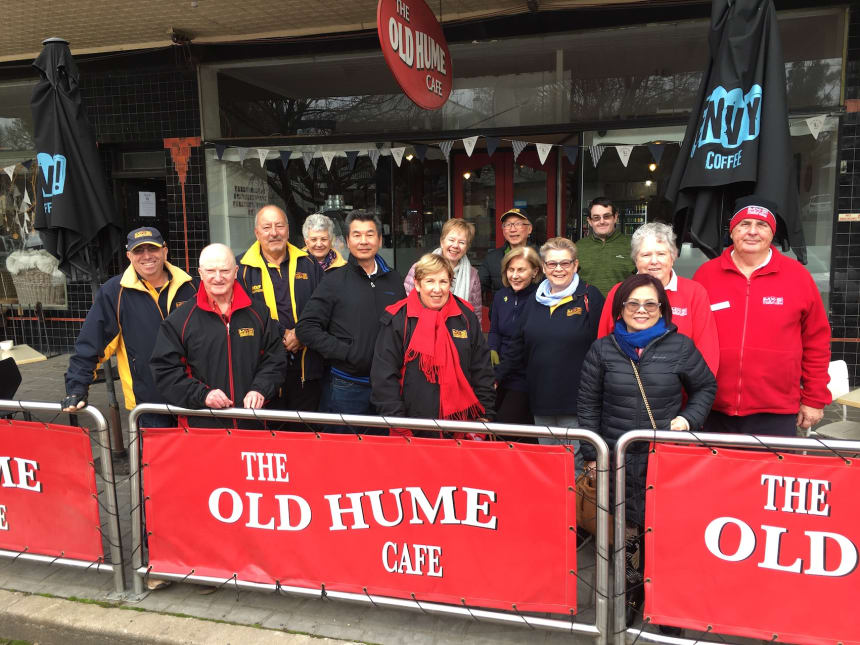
543	295
630	341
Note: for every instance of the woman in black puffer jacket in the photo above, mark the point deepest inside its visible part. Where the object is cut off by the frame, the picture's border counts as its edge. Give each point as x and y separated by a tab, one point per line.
610	402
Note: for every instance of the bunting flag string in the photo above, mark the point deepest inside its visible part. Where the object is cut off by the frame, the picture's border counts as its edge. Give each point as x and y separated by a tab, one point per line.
656	151
373	153
596	153
219	150
328	156
420	151
285	157
518	147
307	157
543	151
815	123
351	158
572	153
262	153
624	153
10	170
242	152
26	199
397	155
492	144
445	147
469	144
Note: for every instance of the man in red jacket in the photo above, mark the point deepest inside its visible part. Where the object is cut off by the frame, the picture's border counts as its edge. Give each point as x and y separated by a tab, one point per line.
773	329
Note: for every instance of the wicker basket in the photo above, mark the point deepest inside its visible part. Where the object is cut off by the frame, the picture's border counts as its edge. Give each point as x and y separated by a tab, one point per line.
7	288
34	286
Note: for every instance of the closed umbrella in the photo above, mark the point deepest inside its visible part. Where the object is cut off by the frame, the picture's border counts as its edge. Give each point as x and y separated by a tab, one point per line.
737	141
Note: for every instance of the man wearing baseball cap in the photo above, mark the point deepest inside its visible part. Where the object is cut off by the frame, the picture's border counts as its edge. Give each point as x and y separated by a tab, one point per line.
516	229
773	331
124	320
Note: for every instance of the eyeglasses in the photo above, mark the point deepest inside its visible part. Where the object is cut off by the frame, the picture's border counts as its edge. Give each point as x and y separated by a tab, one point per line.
605	217
564	264
514	225
632	306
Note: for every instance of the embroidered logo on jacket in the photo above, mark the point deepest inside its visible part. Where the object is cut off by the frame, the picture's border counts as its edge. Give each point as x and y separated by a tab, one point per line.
246	331
301	276
459	333
256	288
575	311
772	300
679	311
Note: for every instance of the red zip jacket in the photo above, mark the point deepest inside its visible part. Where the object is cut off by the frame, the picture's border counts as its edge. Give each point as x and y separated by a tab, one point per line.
774	336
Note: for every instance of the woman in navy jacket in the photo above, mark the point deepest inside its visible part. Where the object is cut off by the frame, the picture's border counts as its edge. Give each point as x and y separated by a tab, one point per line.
520	269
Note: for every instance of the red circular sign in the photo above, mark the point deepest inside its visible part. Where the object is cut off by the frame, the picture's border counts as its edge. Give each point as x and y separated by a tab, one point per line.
415	50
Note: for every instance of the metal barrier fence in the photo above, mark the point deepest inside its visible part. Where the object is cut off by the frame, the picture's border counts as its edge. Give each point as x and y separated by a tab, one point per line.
621	633
110	502
596	630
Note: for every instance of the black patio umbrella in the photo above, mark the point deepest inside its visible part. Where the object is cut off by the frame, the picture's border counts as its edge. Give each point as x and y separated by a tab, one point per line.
74	210
737	141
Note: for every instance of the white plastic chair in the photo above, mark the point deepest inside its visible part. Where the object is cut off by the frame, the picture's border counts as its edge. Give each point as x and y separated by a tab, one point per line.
838	386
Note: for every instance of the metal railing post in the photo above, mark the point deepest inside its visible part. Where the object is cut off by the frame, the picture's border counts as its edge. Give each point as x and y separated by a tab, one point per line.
136	498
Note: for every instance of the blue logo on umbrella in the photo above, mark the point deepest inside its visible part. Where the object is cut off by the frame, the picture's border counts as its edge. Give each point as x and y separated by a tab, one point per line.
53	172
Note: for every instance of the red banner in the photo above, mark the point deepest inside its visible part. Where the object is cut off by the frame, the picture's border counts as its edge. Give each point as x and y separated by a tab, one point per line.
416	51
479	522
48	503
754	545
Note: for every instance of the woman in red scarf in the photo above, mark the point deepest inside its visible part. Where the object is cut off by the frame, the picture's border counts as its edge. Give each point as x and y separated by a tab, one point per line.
431	358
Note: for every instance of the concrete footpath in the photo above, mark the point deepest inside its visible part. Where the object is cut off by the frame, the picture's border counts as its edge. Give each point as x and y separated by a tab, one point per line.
53	604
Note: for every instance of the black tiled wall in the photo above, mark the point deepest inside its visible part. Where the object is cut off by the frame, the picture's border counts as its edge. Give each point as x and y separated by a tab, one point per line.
845	269
129	107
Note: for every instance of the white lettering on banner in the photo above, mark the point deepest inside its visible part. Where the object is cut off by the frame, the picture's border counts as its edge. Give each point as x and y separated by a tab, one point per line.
801	496
475	507
679	311
422	558
237	509
271	466
4	524
26	474
415	48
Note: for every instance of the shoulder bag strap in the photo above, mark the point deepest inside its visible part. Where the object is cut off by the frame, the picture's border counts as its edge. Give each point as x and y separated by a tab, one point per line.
644	398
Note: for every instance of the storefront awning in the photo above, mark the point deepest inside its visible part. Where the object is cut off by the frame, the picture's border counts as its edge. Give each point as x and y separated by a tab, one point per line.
93	26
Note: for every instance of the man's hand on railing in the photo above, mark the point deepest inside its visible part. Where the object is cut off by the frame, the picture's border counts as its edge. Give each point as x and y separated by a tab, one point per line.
217	399
73	402
254	400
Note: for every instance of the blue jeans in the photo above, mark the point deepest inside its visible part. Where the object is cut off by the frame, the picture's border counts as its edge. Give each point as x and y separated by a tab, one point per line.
342	396
562	421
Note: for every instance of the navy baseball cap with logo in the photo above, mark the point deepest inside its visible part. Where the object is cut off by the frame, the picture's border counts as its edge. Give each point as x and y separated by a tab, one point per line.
144	235
514	212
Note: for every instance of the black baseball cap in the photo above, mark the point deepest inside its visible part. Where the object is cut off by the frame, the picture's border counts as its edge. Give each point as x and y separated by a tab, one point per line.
514	212
144	235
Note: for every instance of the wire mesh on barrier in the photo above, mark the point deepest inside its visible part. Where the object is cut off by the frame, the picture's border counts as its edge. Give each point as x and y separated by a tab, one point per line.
780	448
513	616
98	439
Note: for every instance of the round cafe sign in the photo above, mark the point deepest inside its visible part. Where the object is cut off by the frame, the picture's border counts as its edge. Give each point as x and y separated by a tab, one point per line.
415	50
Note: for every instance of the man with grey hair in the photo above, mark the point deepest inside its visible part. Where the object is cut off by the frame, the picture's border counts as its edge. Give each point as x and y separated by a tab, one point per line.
221	349
283	277
342	318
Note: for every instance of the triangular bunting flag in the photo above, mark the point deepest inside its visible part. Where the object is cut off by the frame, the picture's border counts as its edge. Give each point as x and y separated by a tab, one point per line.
492	144
543	151
327	156
445	147
572	153
373	153
469	144
27	163
351	157
596	153
285	157
242	152
815	124
308	157
397	155
656	151
10	170
420	151
26	199
262	153
219	150
624	154
518	147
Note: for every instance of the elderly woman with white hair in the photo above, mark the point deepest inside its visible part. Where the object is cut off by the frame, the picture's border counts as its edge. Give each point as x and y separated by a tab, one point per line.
318	231
654	252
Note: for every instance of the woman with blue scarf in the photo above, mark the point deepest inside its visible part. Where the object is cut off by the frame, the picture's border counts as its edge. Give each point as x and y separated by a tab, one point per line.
555	330
643	349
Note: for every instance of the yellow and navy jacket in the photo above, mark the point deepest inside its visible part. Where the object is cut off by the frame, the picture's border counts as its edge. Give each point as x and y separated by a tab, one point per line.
304	274
124	320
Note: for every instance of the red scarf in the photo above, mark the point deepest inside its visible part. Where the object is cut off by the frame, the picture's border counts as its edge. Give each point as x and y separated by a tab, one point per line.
432	345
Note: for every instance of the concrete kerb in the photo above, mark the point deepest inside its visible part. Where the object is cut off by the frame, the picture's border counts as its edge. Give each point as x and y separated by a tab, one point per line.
51	621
